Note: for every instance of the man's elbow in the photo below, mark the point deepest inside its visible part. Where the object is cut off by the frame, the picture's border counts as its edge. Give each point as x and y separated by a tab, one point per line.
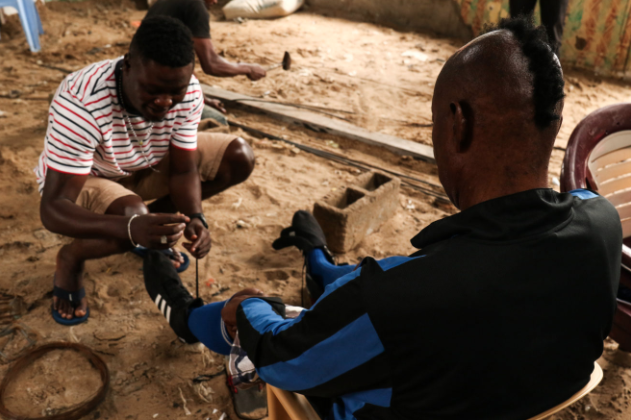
208	69
211	68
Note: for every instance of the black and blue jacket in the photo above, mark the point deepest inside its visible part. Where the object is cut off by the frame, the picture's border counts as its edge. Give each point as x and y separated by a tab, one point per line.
500	315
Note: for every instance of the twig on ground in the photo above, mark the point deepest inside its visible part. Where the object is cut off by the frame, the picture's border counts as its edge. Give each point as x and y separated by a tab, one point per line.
223	289
186	410
73	337
48	66
206	378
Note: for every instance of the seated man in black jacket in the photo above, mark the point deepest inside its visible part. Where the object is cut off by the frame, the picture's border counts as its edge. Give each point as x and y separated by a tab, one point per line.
502	311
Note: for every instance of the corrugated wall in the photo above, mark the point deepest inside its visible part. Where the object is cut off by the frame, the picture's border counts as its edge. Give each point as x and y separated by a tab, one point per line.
597	32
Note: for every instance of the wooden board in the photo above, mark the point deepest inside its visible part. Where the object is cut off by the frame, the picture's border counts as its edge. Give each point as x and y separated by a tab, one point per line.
321	124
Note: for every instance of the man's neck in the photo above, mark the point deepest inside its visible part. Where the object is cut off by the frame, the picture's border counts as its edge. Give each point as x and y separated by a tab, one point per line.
473	194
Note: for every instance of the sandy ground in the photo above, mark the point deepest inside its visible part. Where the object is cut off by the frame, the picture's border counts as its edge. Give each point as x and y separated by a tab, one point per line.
383	77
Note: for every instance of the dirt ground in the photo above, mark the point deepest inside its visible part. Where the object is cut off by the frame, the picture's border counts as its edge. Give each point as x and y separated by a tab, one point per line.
382	77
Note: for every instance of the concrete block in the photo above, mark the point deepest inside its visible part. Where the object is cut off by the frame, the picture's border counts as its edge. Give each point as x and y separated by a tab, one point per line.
347	217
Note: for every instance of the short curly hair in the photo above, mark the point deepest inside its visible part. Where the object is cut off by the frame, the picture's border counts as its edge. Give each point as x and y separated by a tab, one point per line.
165	40
544	66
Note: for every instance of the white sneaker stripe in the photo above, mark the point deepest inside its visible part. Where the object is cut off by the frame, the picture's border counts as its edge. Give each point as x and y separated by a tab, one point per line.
158	298
168	314
162	305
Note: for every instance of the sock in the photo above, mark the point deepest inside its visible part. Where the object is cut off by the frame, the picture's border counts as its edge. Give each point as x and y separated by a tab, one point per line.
322	270
205	324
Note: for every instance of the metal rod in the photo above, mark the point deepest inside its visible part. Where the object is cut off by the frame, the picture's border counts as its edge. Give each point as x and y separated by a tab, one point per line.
350	162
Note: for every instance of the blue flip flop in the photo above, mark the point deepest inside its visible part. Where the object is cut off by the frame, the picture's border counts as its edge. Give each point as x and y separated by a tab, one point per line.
75	299
141	251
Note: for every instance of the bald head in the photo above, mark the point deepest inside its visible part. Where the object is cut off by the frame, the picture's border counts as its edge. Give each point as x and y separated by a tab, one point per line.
497	109
491	75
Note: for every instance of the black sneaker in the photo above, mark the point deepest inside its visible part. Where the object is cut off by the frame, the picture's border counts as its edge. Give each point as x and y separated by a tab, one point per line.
169	294
305	234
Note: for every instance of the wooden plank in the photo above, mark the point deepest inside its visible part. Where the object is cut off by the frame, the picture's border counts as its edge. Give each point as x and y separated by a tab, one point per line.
323	124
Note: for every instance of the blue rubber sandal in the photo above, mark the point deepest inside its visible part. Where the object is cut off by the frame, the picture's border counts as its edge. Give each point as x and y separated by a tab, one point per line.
75	300
141	251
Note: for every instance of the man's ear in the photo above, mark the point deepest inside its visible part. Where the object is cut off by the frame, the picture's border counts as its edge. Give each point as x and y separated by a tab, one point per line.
461	114
559	126
126	62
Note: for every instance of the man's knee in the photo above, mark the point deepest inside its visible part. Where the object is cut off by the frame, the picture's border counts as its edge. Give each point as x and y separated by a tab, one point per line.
127	206
238	161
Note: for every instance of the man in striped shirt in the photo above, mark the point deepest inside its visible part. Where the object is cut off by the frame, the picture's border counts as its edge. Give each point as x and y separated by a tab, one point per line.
122	132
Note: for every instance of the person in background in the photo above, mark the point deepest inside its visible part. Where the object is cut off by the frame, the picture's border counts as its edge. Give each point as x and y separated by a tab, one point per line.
552	17
194	14
122	132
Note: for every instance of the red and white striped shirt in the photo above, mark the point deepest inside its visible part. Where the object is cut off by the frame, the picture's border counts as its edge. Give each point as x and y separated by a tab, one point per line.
87	133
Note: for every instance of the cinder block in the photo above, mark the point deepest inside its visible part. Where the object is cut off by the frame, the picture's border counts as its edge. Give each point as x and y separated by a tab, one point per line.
348	216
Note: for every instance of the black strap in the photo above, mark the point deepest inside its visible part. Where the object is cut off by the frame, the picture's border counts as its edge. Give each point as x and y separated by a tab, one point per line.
73	297
197	278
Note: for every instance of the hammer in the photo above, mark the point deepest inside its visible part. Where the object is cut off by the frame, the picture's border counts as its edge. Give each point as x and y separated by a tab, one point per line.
285	64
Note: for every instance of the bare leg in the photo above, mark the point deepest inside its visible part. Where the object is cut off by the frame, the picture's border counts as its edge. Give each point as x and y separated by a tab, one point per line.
553	18
71	258
236	166
522	7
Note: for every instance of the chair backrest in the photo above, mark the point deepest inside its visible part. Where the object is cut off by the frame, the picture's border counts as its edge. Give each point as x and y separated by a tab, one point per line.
598	157
285	405
609	165
597	376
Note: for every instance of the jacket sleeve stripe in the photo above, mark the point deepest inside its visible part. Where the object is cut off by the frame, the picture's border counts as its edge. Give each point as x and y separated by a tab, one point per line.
263	319
328	359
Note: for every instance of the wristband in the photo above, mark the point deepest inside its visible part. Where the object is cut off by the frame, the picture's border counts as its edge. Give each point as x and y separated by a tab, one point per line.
129	231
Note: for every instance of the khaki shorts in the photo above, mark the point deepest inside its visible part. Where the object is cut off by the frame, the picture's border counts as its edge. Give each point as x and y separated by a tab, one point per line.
99	193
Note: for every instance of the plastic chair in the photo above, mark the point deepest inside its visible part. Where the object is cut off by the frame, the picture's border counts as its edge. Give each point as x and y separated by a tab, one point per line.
285	405
597	376
29	17
598	157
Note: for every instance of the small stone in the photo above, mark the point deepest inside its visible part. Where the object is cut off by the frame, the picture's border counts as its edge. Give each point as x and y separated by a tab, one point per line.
243	225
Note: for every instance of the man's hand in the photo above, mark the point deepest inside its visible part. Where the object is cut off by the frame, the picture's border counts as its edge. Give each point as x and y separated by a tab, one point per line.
217	104
148	229
199	238
256	72
229	312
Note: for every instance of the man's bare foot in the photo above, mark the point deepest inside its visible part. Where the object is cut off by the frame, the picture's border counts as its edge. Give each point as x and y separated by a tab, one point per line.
69	277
